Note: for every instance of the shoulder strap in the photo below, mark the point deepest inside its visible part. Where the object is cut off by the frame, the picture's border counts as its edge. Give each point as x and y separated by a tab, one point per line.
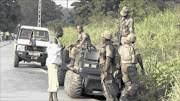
133	47
57	40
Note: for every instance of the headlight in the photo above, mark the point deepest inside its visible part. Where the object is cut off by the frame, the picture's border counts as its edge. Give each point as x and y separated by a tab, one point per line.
86	65
93	66
21	48
90	65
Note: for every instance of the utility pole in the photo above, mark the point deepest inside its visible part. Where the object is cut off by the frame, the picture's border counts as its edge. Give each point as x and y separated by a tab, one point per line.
67	3
39	13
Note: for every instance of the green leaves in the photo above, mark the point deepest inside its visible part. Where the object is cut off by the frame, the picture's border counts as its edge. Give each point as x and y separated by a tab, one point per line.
29	10
92	10
10	15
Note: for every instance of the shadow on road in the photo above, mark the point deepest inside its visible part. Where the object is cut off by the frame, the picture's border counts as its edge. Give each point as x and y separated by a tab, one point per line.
29	65
98	97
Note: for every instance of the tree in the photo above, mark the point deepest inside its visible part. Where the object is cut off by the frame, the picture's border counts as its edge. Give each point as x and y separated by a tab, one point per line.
140	9
29	9
85	9
10	15
50	11
90	11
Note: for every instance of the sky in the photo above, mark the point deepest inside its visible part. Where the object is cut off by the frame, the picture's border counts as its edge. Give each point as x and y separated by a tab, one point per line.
64	3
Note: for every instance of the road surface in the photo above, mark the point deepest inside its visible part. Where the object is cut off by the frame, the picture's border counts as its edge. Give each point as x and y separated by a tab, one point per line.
28	82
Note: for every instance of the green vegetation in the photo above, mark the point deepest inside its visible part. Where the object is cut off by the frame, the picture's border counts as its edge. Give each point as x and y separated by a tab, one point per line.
158	38
29	10
10	15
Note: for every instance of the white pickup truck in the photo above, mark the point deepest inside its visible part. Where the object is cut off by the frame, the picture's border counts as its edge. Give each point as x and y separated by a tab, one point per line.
30	45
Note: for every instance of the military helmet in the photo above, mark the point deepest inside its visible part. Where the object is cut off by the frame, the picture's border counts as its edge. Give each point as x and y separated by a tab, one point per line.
131	37
124	11
106	35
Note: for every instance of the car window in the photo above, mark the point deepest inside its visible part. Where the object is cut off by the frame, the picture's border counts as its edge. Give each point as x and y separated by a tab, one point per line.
39	35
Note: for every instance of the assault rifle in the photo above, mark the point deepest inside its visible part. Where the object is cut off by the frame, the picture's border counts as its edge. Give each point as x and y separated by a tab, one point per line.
73	45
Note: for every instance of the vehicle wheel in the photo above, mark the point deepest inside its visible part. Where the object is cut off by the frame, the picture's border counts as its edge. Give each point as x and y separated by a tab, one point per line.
16	61
67	81
43	64
45	67
61	76
73	84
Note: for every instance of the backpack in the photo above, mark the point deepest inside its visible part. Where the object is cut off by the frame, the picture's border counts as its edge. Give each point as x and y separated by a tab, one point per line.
128	54
116	58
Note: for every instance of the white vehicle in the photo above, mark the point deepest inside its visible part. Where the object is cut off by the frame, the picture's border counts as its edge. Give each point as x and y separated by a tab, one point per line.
25	50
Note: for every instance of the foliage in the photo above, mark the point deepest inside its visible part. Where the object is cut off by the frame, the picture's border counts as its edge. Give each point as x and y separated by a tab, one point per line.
160	53
88	8
29	9
67	20
10	15
90	11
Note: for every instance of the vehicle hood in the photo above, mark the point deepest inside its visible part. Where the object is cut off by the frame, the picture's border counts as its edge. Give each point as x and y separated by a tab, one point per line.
38	43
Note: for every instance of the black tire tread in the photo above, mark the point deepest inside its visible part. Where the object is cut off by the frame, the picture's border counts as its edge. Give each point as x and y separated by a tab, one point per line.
43	64
16	61
73	84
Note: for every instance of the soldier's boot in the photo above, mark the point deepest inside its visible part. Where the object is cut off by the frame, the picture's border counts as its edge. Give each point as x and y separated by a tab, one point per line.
71	64
124	96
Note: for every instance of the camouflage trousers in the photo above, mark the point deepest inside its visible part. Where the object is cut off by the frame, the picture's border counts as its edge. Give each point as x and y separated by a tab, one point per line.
131	80
110	89
75	50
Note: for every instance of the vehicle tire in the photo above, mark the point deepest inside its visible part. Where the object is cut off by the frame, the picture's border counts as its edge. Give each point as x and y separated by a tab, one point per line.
43	64
16	61
45	67
61	76
73	84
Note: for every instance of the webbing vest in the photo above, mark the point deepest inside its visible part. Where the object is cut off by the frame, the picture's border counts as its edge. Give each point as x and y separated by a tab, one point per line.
128	54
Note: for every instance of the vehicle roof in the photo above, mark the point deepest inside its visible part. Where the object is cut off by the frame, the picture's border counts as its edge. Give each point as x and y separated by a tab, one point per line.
34	27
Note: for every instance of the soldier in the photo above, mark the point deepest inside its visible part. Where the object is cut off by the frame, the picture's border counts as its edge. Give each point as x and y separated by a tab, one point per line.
129	57
81	44
106	57
127	24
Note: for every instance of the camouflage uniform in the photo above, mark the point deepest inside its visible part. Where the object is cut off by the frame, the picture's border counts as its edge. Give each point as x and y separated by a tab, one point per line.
84	46
127	24
128	53
110	88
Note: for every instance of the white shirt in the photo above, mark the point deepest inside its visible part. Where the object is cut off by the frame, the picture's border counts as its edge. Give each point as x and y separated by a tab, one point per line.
54	53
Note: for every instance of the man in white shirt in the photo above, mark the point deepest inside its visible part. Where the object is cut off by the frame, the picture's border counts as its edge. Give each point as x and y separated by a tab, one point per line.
53	61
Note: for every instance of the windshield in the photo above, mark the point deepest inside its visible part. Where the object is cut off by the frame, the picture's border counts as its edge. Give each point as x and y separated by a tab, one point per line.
39	35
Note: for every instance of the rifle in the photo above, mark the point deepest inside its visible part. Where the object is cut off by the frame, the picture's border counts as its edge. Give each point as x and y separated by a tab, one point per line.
105	81
73	45
119	35
107	86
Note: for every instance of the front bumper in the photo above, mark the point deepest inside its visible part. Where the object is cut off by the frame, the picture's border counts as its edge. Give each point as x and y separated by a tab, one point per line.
27	57
31	55
92	79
